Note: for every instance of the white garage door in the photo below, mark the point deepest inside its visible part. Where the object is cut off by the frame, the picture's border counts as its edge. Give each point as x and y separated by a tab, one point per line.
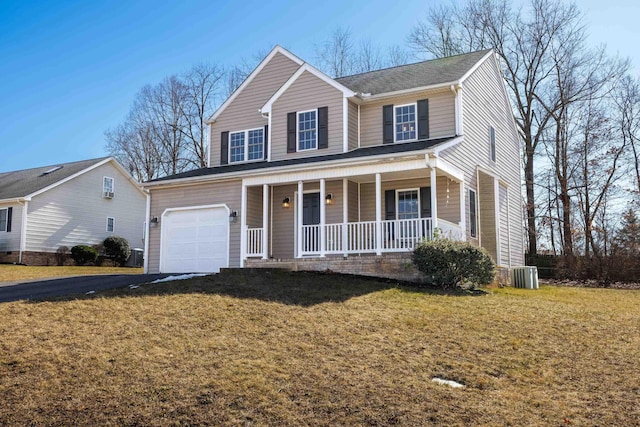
195	240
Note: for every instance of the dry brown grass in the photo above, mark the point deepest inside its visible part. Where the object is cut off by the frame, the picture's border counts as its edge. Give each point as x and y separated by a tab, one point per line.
15	273
308	349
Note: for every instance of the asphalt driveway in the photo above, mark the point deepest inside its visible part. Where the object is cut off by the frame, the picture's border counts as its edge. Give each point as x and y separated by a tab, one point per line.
70	285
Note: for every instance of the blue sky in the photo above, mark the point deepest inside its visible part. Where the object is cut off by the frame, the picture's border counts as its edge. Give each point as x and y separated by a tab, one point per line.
69	70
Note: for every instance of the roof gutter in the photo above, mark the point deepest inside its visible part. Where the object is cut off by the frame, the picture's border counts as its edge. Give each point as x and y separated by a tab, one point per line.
384	95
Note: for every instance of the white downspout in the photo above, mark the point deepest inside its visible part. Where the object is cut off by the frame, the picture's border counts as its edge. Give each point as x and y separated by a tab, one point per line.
23	230
147	231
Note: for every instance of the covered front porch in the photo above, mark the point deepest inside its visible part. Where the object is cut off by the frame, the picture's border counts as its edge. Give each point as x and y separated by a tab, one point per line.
387	207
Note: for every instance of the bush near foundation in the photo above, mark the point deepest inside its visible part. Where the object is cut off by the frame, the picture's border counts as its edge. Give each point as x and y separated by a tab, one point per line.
83	254
118	249
449	263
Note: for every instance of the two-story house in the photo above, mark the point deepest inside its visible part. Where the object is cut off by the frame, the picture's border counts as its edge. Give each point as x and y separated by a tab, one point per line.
305	167
79	203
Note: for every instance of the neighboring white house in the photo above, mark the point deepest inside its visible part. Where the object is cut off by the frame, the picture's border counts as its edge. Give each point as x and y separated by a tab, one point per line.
44	208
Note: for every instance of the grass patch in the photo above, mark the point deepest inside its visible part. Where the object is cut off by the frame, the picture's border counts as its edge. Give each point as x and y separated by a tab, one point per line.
312	349
16	273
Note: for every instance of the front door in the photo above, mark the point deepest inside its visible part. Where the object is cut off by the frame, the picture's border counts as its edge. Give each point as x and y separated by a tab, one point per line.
311	218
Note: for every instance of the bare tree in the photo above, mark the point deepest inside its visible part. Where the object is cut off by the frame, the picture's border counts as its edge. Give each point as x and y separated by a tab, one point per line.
337	54
367	57
397	55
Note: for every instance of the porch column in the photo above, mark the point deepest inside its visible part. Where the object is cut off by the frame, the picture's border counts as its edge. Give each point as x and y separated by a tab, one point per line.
434	200
323	214
265	221
300	219
243	225
378	214
463	215
345	214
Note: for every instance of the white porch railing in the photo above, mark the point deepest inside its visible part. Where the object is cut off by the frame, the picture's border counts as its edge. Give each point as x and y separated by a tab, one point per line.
254	242
360	237
397	236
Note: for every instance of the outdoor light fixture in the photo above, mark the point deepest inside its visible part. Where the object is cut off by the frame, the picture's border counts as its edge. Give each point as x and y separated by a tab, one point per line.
154	222
329	199
233	216
286	202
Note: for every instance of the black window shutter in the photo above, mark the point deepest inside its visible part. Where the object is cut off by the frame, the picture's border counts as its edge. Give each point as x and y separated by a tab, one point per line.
266	141
291	132
390	204
423	119
323	127
224	148
387	124
9	215
425	202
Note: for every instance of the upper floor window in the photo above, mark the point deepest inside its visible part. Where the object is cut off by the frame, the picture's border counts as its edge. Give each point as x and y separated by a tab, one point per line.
405	123
246	145
307	130
107	184
4	219
492	143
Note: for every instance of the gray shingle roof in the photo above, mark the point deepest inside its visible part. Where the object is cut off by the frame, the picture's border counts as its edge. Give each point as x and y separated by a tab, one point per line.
24	182
427	73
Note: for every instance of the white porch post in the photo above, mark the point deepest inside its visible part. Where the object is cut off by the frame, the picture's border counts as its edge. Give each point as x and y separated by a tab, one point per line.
243	225
299	207
434	199
265	221
463	214
345	214
323	213
378	214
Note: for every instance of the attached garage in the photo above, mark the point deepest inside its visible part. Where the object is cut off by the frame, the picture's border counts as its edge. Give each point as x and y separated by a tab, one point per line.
194	239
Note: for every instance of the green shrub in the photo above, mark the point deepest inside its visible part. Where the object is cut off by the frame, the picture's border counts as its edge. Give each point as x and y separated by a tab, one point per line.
449	263
117	248
83	254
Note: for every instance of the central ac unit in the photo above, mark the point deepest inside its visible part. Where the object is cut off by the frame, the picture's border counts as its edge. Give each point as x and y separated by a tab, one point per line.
524	277
107	194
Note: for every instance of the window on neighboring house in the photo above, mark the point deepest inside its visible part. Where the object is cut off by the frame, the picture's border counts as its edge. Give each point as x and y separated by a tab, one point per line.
492	143
473	221
408	204
4	217
246	145
405	123
111	224
307	130
107	184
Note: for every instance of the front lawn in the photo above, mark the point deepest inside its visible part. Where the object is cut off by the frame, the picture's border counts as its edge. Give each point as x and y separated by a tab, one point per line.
16	273
311	349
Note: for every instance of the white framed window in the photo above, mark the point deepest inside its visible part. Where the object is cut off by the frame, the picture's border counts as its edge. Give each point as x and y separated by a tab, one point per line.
4	219
408	203
492	143
107	184
111	224
404	123
307	130
473	215
246	145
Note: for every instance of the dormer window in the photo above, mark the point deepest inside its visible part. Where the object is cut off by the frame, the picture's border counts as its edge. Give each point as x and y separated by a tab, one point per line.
246	145
307	130
405	123
107	187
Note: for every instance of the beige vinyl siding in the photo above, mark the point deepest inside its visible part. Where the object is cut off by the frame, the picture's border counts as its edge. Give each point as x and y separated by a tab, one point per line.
484	105
243	112
442	121
75	212
254	207
448	202
353	126
353	201
10	241
282	231
504	226
487	212
308	92
368	195
212	193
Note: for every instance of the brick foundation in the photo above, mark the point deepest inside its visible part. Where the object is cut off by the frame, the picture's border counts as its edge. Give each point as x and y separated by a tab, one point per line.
34	258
